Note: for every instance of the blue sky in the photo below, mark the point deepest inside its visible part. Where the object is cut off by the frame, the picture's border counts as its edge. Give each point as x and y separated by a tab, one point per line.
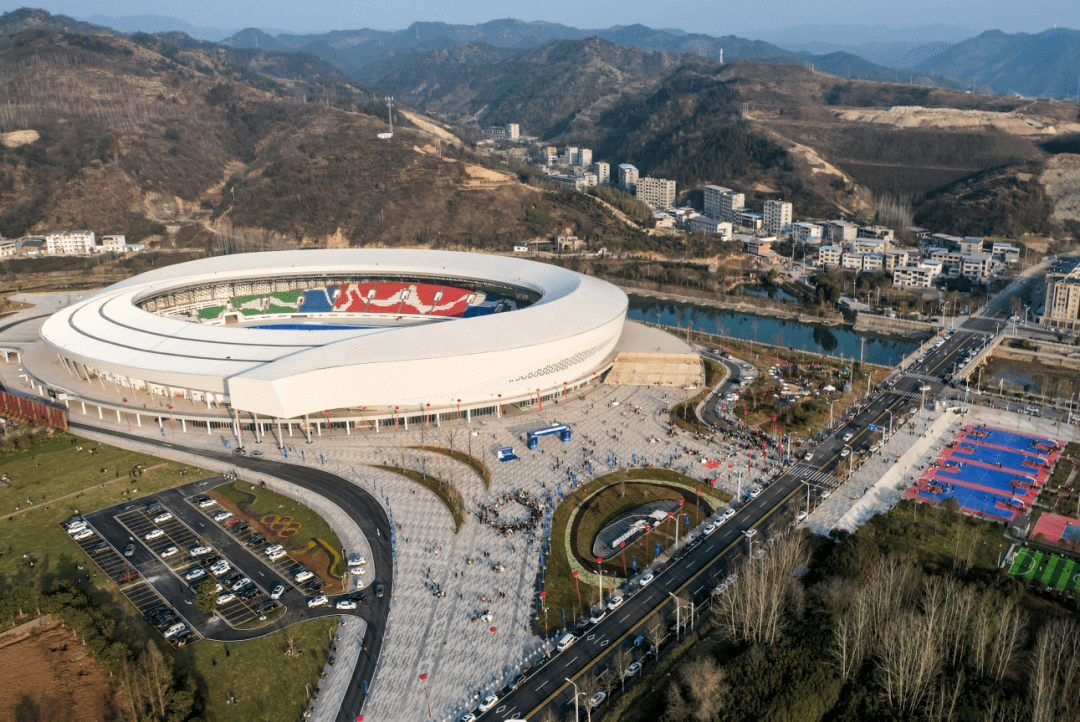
714	17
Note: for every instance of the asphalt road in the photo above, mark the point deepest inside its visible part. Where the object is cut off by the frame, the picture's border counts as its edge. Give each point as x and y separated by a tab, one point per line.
360	506
697	569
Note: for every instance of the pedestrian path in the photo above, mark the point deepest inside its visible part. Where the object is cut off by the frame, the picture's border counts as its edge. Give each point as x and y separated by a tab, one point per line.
921	376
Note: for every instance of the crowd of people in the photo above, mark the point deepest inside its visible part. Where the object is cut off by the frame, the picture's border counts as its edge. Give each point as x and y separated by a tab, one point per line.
494	514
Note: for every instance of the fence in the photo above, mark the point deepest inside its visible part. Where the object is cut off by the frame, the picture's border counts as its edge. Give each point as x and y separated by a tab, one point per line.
19	407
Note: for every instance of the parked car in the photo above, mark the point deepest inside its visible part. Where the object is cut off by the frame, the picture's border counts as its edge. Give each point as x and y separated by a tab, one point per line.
345	604
99	547
127	576
614	603
728	513
219	567
222	515
266	606
169	551
225	598
163	517
250	592
196	573
597	617
84	534
255	538
318	601
597	699
488	702
240	584
153	534
199	551
207	502
646	580
633	669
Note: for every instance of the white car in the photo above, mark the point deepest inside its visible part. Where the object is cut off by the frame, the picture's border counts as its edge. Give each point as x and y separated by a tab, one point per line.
219	567
808	456
728	513
278	591
749	532
801	515
222	515
491	699
614	603
153	534
276	554
646	580
196	573
633	669
169	552
467	717
164	516
206	503
84	534
754	493
731	579
240	584
709	529
720	589
598	617
225	598
844	453
199	551
825	494
318	601
175	630
345	604
76	527
359	571
848	435
597	699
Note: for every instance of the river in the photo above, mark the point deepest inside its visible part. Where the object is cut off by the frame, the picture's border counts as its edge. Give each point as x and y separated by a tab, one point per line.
837	341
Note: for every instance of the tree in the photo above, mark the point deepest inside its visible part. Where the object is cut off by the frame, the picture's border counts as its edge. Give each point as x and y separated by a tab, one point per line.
206	598
705	682
620	660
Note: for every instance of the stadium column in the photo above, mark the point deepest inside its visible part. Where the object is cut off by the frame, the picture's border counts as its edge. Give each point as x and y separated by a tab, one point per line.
348	432
279	442
307	428
255	427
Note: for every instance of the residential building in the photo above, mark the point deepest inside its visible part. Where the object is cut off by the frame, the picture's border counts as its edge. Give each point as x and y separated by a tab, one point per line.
841	231
806	232
748	219
628	177
759	246
603	172
917	276
590	179
112	244
655	192
722	203
777	216
881	233
711	226
573	155
552	154
830	256
584	157
970	245
1005	253
511	131
868	245
32	245
1062	294
70	243
895	257
852	261
571	181
8	248
977	266
873	262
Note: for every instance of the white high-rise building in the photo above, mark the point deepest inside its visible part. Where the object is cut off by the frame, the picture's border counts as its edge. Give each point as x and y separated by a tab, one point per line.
584	157
573	156
777	216
603	172
656	192
722	203
628	177
70	243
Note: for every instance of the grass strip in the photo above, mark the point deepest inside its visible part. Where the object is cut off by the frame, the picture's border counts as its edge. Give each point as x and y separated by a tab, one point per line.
471	461
446	493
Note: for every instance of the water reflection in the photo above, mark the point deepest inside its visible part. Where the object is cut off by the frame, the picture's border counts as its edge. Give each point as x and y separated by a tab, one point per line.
833	341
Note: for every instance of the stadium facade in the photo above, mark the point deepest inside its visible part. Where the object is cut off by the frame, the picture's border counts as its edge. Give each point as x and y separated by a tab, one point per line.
354	332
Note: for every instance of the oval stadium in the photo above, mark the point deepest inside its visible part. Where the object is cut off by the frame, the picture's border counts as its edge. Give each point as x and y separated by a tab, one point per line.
365	331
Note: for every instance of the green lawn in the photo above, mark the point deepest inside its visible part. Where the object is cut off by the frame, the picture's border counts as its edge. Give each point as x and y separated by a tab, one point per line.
267	683
307	537
54	470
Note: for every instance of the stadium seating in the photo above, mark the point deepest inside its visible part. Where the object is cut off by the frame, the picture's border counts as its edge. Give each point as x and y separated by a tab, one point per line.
317	300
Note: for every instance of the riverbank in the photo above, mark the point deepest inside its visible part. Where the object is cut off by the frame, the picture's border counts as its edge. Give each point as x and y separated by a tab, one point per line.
740	307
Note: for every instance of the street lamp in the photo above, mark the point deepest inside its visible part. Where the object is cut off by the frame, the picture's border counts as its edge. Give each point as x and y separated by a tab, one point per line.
850	454
889	412
576	693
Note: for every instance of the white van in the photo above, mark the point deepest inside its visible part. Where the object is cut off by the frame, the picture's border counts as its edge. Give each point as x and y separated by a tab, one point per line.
174	630
565	642
302	576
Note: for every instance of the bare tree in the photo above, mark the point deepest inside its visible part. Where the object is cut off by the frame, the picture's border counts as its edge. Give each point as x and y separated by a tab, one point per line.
1010	637
909	660
851	635
755	609
705	681
656	632
622	658
1055	678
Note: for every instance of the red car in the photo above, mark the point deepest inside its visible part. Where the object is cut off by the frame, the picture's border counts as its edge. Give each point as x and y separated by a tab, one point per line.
230	522
128	576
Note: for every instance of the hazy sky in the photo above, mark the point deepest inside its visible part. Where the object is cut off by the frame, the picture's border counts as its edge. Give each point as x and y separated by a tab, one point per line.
714	17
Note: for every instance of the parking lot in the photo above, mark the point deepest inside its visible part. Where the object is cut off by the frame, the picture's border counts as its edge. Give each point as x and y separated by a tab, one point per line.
237	611
113	564
285	566
175	534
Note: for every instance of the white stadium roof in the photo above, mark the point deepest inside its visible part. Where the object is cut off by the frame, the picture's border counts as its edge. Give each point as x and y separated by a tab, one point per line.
287	373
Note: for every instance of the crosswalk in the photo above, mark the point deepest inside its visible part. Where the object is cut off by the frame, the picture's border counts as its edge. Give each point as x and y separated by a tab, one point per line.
815	475
922	376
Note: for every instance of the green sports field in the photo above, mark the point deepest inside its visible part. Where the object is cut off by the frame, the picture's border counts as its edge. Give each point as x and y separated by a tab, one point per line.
1056	572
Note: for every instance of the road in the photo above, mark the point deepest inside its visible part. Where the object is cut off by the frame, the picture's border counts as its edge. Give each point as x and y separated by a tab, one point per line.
359	505
697	569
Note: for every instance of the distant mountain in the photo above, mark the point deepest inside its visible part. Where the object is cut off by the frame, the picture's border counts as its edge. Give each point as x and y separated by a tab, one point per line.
1042	65
159	24
370	54
23	19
